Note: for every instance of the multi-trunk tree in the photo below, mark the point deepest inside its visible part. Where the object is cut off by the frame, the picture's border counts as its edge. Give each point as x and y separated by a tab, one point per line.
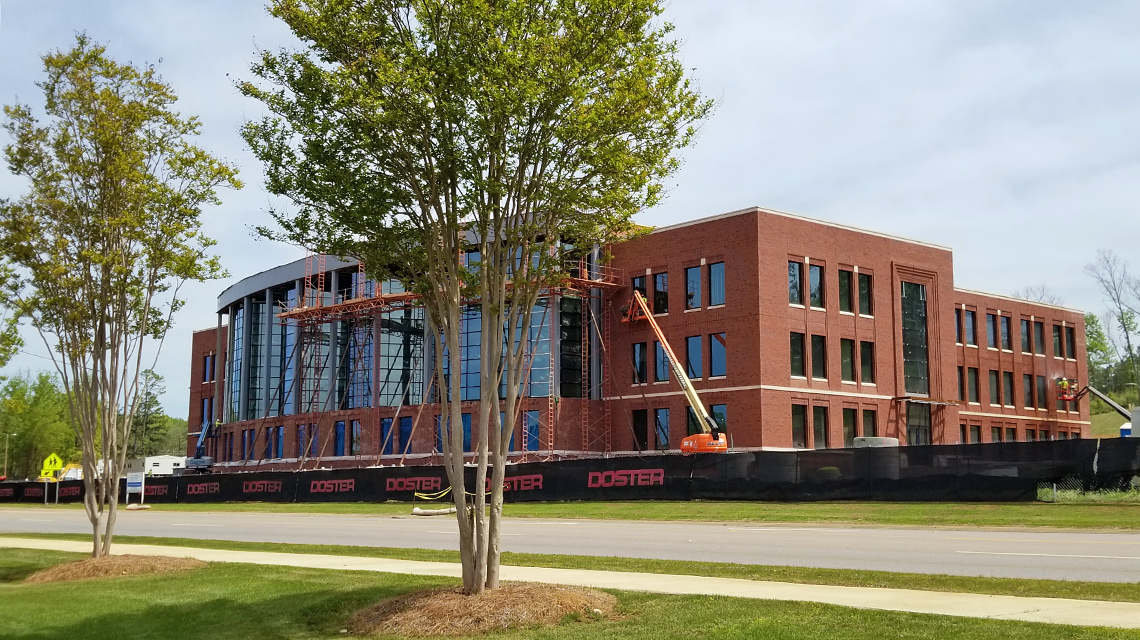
465	147
99	245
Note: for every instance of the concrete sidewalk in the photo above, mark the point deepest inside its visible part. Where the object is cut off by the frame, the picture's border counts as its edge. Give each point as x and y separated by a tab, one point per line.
1124	615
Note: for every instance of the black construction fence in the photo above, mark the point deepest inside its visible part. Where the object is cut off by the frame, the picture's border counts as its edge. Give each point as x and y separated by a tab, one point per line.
998	472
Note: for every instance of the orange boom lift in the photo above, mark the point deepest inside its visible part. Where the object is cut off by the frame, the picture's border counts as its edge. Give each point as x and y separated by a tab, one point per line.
710	439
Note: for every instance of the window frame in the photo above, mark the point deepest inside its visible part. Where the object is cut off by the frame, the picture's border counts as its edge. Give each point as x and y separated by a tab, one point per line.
847	360
817	291
714	289
660	304
692	296
819	357
802	354
796	283
869	299
716	344
846	300
698	372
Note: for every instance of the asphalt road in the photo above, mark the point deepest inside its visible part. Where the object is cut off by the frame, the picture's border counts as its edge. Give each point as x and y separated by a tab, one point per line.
1091	556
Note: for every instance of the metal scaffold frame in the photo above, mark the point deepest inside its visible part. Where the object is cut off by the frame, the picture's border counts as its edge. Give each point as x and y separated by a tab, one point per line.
313	314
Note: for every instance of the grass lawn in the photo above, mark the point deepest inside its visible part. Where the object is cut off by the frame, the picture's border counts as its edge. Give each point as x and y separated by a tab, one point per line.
1119	592
1016	514
248	601
1106	425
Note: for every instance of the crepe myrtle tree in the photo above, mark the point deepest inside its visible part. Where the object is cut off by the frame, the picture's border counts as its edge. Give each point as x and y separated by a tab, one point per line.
464	148
100	243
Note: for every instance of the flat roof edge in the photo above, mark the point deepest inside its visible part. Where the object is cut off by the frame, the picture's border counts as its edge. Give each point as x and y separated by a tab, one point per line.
785	214
1022	300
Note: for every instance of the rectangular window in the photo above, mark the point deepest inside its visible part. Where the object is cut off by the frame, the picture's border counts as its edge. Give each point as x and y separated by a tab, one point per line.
692	424
719	413
867	361
995	388
661	293
972	380
1027	387
976	433
957	326
1030	435
795	282
992	330
819	357
995	434
1010	434
387	437
338	444
1007	388
354	434
694	368
870	423
1039	337
406	435
962	437
660	363
205	368
1026	337
641	429
1006	334
847	360
205	413
716	284
718	355
693	288
797	354
916	357
530	424
1058	341
799	426
849	416
917	423
845	303
661	427
268	443
1070	343
244	453
638	284
962	384
865	306
819	421
971	328
815	285
1042	393
639	363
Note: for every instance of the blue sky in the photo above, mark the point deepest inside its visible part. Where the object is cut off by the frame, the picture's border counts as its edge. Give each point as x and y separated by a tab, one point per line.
1003	129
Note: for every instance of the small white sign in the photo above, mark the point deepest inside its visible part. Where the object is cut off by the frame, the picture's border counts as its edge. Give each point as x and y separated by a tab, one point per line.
135	483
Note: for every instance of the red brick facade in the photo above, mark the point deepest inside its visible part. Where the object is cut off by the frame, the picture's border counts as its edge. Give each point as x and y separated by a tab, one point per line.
856	388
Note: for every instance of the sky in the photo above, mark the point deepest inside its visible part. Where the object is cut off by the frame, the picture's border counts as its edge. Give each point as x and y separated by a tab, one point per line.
1005	130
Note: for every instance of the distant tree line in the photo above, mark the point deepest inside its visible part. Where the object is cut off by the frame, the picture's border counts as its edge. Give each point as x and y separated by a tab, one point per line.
36	422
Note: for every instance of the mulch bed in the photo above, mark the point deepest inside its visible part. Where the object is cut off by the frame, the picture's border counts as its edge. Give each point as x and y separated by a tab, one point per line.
108	566
447	612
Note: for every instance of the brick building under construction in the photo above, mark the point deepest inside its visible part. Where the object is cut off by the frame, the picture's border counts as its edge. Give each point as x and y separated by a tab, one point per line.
797	333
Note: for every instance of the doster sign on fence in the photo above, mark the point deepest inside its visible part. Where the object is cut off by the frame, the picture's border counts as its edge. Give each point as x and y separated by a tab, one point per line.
1005	471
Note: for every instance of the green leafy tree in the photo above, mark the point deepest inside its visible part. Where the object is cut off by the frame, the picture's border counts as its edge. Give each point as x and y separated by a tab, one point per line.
100	244
465	148
148	430
1099	353
35	416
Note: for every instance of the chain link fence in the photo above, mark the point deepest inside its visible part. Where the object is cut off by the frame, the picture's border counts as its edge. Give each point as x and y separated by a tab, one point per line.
1075	489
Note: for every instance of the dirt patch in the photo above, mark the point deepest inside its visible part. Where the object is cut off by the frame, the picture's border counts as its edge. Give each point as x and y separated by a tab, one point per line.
447	612
108	566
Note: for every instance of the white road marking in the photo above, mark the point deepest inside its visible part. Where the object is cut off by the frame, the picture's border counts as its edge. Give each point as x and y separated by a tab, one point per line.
1048	555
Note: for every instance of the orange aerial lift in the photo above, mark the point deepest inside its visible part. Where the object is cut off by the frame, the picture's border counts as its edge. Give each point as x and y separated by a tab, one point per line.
1069	391
710	439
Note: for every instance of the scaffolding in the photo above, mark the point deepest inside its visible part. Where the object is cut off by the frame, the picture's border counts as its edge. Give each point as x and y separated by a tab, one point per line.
315	315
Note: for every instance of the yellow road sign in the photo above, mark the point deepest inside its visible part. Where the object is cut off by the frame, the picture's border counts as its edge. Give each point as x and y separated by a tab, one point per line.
53	463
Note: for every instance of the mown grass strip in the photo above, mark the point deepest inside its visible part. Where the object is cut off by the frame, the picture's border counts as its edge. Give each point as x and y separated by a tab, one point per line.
263	602
1118	592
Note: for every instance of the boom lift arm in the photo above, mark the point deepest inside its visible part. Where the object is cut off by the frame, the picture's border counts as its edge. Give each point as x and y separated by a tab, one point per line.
710	439
201	462
1067	390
